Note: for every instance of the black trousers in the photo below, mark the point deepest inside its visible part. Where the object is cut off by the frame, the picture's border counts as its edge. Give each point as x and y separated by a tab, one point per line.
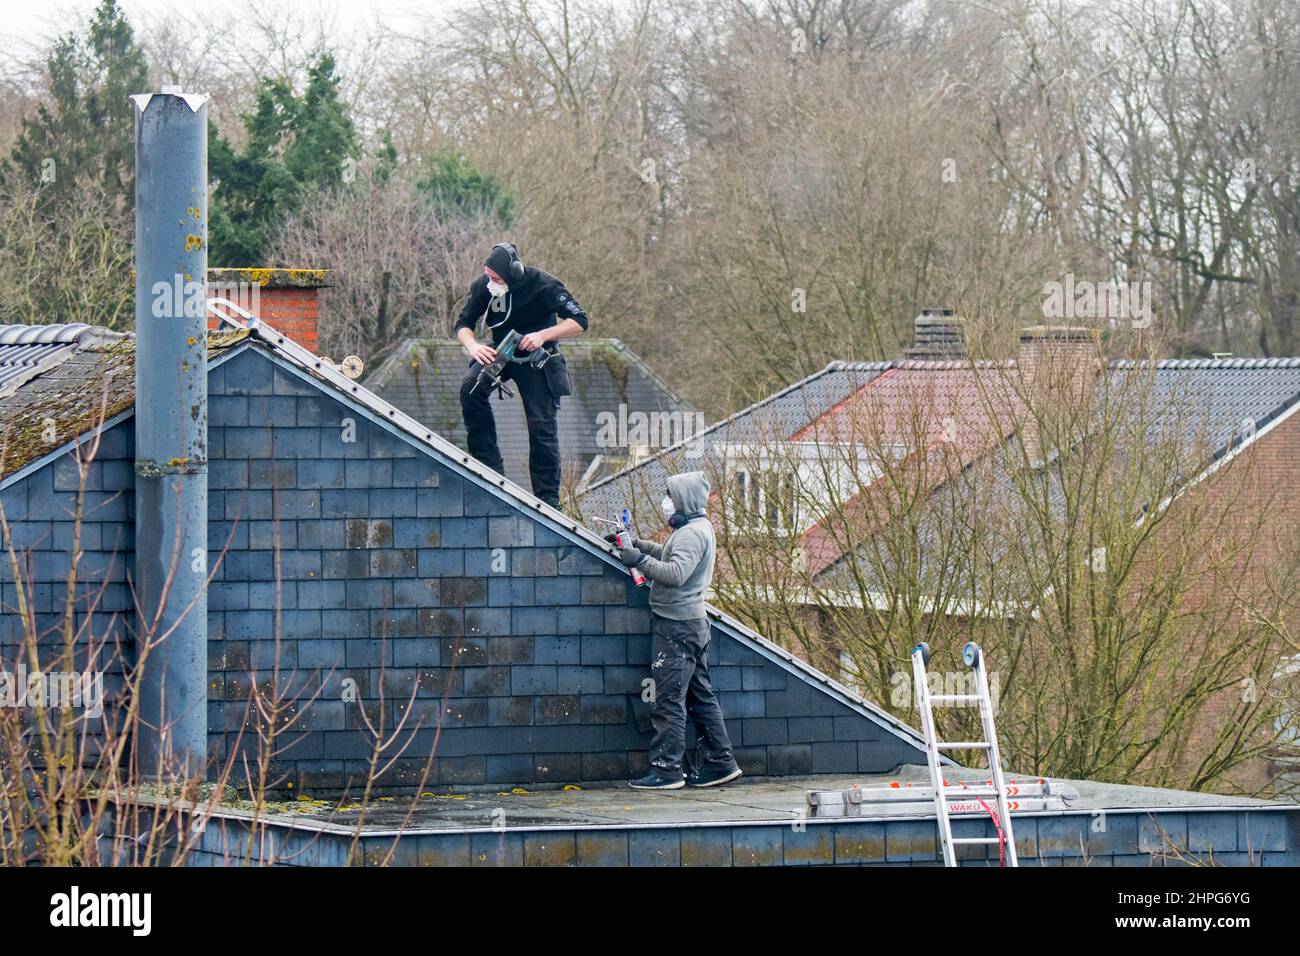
679	666
540	408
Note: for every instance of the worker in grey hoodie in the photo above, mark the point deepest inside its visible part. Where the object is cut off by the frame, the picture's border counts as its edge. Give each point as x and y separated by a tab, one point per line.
680	571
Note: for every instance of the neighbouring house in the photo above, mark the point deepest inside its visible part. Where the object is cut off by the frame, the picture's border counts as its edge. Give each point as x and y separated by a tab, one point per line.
640	486
801	513
620	411
826	436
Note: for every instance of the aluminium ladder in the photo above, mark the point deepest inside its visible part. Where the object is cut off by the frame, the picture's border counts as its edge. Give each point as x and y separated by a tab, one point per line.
899	797
925	702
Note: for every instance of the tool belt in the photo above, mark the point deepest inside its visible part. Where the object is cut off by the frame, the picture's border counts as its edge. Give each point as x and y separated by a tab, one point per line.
556	370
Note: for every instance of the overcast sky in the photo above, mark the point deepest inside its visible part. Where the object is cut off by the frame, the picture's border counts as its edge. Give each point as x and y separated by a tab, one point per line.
25	25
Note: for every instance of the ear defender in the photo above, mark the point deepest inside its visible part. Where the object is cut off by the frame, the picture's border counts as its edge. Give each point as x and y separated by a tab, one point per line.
516	267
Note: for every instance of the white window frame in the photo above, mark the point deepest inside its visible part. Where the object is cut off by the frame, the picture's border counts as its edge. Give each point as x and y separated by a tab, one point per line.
748	468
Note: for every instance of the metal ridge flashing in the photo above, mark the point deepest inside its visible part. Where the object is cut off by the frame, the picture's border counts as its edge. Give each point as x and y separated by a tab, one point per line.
1219	363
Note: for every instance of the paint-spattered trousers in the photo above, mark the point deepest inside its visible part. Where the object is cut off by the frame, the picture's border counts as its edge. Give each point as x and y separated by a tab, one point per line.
680	669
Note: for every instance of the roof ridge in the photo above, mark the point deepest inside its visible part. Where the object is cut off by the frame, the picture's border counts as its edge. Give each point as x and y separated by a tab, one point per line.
58	333
635	356
580	341
847	365
629	355
803	382
1235	363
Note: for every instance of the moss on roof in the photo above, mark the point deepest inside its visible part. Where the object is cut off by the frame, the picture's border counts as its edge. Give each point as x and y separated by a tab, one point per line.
271	278
91	386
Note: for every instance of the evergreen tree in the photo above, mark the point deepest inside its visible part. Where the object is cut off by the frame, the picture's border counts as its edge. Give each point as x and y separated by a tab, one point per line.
86	128
385	157
455	186
295	144
67	185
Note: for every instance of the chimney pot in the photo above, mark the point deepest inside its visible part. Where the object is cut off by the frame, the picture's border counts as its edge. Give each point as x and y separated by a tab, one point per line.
938	334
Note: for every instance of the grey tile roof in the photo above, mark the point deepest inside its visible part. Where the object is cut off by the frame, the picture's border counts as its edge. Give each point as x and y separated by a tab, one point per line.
422	377
1208	400
57	382
29	350
640	487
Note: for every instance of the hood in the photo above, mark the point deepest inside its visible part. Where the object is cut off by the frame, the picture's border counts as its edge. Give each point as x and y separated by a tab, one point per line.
689	491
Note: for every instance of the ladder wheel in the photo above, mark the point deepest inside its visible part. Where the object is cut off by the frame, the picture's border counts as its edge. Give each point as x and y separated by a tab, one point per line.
971	654
924	648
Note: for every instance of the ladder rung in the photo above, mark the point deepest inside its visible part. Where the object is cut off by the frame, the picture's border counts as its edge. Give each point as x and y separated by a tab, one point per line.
970	792
955	698
976	840
962	745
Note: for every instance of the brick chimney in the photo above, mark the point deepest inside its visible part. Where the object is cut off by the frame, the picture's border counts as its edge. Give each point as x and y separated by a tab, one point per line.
287	299
1058	368
938	334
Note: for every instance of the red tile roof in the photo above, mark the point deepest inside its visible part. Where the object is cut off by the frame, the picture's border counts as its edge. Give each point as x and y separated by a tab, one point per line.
913	411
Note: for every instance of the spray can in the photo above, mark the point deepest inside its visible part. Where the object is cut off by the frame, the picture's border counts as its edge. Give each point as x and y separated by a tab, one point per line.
622	539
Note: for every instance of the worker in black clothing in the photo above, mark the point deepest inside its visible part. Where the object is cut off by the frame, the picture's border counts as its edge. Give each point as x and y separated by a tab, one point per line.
509	295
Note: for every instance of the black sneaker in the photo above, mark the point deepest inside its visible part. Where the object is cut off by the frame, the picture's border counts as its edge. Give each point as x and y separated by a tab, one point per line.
713	776
659	780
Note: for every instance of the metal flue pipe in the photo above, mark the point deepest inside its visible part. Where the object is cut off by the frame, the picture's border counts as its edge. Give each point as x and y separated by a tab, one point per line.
171	429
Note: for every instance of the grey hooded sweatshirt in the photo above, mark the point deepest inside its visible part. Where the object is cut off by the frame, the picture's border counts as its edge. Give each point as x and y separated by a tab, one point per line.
681	568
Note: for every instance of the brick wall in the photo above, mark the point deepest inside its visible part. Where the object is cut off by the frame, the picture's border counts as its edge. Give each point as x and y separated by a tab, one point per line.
287	299
1263	480
1057	367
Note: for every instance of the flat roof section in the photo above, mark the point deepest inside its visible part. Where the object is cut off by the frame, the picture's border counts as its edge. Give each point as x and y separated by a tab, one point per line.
748	801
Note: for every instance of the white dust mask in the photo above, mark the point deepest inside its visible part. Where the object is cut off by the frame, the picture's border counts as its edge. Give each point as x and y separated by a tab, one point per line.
667	506
497	288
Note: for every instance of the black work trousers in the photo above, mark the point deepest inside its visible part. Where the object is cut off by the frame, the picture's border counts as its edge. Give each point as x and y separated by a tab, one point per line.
679	667
540	409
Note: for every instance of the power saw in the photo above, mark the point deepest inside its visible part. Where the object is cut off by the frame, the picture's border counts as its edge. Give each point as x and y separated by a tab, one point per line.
491	373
